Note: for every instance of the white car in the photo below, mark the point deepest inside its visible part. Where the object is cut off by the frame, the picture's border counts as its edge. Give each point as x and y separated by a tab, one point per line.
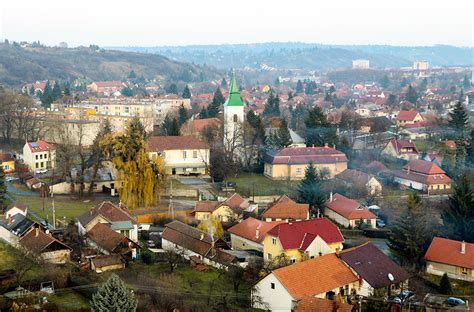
41	171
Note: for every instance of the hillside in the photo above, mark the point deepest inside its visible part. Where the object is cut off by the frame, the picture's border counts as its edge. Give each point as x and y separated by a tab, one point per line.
20	65
294	55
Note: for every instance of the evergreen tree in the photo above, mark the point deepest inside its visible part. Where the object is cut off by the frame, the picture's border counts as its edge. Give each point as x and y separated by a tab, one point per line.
32	90
318	129
445	285
46	96
175	129
132	75
272	106
167	125
277	82
113	296
410	236
423	85
67	88
392	100
224	83
127	91
384	82
3	189
217	101
172	89
284	137
183	114
256	123
332	89
411	95
186	93
466	83
56	92
328	97
460	155
203	113
404	82
458	217
299	87
290	95
458	117
310	191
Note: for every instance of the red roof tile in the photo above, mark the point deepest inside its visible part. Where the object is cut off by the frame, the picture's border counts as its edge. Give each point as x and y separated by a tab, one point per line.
348	208
423	166
109	84
407	115
289	210
448	251
305	155
248	229
300	234
315	276
313	304
40	146
162	143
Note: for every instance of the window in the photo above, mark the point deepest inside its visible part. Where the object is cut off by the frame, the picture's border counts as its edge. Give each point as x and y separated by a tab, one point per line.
235	118
292	259
195	169
195	154
298	171
274	241
464	271
41	156
36	157
42	164
36	165
272	285
269	256
185	154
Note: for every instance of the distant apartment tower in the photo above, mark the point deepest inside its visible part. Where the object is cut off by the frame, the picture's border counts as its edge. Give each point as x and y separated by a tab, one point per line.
361	64
421	65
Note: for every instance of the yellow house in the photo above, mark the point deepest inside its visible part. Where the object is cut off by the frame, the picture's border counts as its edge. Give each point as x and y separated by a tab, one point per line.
291	163
7	162
302	240
408	118
229	210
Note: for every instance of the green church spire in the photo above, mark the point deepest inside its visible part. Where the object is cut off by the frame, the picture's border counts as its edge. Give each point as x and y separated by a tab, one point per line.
234	94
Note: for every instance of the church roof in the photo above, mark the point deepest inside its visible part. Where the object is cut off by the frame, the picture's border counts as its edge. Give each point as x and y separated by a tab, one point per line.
234	98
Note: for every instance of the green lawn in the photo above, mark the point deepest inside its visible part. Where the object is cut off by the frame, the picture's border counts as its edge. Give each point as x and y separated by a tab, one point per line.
249	184
461	288
11	258
64	205
70	301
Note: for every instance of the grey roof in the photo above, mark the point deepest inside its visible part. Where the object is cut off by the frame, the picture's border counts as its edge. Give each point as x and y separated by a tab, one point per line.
121	225
19	224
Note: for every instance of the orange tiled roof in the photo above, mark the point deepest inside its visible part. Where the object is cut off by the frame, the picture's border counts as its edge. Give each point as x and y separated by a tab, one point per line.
448	251
348	208
290	210
248	229
407	115
313	304
315	276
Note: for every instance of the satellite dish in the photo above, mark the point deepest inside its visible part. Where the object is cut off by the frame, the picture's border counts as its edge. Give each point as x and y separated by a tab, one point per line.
390	277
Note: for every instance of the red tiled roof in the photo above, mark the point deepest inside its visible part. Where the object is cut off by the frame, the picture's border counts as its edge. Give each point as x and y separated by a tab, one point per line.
248	229
108	239
407	115
109	211
235	201
423	166
312	304
205	206
6	157
197	125
300	234
289	210
348	208
448	251
354	176
161	143
37	241
40	146
113	83
305	155
399	144
315	276
423	178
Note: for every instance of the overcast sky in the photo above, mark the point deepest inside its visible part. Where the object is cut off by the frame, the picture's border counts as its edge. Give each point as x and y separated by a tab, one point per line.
180	22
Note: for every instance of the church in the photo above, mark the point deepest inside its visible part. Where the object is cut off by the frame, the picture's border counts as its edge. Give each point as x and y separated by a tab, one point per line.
234	119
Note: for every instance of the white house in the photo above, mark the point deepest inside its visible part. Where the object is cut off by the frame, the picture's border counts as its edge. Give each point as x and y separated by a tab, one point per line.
39	155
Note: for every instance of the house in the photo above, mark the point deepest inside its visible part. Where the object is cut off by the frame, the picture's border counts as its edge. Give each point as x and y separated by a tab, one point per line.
34	183
296	140
405	117
402	149
44	245
348	212
14	227
228	210
358	178
189	241
117	216
16	208
302	240
196	126
104	263
291	163
103	237
452	257
313	304
325	276
183	155
39	155
105	86
424	176
7	162
287	210
249	234
375	270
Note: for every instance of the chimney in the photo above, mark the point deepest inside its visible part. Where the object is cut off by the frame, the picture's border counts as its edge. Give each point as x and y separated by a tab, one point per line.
463	247
408	170
257	232
202	236
409	140
334	146
330	197
326	145
9	219
36	232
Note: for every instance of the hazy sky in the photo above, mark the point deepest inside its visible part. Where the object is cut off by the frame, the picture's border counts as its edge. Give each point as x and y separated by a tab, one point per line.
180	22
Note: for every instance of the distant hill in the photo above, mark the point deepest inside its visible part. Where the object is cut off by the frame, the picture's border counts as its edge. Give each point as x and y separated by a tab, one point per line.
20	65
294	55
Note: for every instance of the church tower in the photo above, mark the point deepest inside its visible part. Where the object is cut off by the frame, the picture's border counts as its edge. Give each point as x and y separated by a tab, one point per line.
233	118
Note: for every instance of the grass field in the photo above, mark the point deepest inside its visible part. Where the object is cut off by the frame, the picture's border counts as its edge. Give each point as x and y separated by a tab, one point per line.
70	301
249	184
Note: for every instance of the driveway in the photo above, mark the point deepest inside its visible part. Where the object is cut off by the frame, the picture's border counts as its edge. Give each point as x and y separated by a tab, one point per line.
16	191
191	181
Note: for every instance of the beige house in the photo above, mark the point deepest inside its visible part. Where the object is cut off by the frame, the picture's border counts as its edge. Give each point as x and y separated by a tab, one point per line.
358	178
39	155
405	118
249	234
44	245
454	258
291	163
348	212
402	149
105	86
229	210
183	155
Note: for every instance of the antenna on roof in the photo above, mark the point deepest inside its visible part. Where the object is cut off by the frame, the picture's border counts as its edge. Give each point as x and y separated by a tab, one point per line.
390	277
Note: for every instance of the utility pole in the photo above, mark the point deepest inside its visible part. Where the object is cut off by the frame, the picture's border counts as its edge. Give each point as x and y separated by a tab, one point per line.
52	200
171	208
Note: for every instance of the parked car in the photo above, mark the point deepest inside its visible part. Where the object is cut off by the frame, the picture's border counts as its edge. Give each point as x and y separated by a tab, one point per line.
10	179
380	223
150	244
454	301
406	295
41	171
